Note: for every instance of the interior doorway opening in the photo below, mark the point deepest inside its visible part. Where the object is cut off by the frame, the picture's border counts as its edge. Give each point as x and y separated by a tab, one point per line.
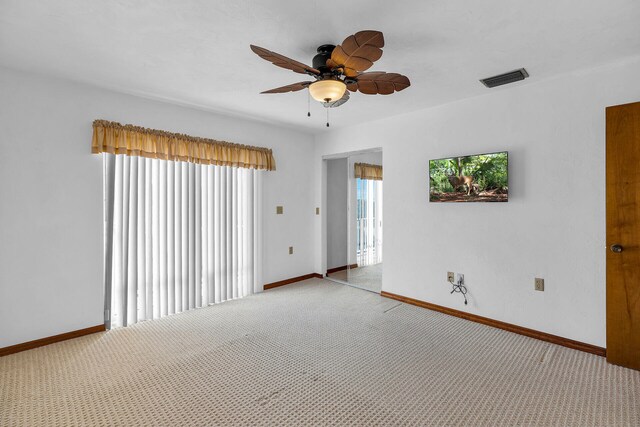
354	206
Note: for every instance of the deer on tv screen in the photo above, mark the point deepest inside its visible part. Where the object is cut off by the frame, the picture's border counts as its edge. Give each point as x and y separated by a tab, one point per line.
477	178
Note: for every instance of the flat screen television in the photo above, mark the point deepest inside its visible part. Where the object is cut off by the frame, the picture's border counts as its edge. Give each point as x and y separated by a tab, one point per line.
476	178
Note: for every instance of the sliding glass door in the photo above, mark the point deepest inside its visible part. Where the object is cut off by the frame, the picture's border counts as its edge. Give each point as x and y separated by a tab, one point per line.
178	236
368	240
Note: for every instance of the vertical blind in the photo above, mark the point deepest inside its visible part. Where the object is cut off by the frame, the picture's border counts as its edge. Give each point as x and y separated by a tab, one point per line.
368	222
178	236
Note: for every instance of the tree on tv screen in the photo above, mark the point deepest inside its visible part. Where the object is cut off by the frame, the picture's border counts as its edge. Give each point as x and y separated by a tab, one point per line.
488	172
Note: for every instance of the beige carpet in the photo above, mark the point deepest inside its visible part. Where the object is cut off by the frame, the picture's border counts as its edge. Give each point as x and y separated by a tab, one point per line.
313	353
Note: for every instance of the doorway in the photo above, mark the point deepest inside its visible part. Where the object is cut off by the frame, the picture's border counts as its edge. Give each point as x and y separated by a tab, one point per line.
354	207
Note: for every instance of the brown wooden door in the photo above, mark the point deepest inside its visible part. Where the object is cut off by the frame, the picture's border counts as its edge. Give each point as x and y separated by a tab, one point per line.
623	235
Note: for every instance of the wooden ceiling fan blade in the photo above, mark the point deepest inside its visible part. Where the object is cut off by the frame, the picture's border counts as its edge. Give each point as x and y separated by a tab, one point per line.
385	88
294	87
371	37
357	52
372	75
380	82
368	87
350	64
399	81
334	66
367	51
352	86
284	62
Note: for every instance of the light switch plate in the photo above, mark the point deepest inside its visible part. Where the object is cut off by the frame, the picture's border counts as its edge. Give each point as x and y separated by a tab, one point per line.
279	210
538	284
290	250
317	211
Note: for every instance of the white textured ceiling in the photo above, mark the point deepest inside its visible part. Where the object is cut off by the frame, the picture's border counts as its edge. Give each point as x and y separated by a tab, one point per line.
196	52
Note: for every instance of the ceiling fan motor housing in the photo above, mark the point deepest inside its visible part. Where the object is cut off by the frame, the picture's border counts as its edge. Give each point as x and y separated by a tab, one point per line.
321	58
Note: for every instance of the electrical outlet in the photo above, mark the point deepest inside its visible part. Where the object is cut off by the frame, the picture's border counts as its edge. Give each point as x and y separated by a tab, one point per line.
279	210
460	278
450	276
290	250
539	284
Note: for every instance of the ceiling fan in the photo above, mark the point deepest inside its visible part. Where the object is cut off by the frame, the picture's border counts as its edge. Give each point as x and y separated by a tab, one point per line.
338	68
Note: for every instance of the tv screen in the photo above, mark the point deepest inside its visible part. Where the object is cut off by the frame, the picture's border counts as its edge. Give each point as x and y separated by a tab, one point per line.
477	178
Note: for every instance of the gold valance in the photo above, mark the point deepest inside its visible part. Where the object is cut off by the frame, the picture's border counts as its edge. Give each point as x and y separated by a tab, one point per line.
114	138
367	171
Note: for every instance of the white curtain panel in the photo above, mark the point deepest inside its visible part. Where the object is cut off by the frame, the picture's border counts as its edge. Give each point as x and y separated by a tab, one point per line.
178	236
369	222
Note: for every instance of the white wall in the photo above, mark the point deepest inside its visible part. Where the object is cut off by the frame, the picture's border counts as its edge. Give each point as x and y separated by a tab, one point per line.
337	224
553	225
51	197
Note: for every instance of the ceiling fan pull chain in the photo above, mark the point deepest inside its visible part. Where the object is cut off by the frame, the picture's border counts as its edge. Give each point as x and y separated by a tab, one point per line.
327	117
308	103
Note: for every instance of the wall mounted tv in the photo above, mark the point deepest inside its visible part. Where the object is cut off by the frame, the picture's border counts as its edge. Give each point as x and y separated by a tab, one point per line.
477	178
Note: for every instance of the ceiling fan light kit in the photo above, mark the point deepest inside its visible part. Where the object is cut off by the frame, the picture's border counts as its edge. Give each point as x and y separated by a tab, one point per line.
327	91
338	70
